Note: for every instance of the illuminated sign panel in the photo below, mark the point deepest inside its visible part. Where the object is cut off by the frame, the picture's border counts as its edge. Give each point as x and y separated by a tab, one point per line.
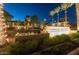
57	30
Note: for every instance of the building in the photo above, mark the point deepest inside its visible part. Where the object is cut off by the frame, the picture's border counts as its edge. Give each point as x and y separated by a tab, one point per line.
62	23
27	22
35	22
77	15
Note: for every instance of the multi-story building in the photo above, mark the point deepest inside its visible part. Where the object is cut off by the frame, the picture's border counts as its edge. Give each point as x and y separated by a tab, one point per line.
27	22
62	23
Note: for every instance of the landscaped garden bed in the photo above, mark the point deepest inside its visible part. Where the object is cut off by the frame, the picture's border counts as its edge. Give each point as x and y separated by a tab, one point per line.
58	45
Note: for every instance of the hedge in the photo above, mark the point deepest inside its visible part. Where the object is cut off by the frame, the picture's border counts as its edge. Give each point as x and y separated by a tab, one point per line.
22	48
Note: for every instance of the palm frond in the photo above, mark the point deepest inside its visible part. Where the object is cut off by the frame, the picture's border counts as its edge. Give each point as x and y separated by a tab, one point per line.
52	12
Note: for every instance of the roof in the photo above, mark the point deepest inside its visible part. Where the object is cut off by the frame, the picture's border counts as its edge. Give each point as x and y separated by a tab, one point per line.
7	13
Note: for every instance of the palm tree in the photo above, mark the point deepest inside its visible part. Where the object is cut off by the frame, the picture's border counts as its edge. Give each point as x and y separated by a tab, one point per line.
52	12
57	10
65	6
71	4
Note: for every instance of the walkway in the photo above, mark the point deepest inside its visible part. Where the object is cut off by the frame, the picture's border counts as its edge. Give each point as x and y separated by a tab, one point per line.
74	52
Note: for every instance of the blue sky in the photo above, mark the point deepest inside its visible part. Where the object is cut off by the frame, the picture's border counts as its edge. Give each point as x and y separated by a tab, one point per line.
21	10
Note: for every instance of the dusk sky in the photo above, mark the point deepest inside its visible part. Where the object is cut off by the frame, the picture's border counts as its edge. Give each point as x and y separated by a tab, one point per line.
21	10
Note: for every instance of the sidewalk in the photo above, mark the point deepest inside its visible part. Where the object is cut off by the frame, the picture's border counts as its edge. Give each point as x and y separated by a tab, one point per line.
74	52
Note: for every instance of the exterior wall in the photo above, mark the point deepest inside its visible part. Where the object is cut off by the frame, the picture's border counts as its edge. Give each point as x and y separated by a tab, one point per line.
77	14
32	37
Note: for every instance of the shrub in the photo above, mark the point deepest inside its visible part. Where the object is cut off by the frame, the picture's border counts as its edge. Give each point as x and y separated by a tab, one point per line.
62	48
14	49
61	38
65	37
31	45
76	40
74	35
48	42
59	49
22	48
20	31
56	39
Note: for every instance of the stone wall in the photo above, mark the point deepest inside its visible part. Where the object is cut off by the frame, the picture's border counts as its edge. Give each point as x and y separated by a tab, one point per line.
32	37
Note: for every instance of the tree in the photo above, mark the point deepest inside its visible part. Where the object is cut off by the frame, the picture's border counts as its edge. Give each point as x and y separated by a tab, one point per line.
64	7
2	27
7	16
